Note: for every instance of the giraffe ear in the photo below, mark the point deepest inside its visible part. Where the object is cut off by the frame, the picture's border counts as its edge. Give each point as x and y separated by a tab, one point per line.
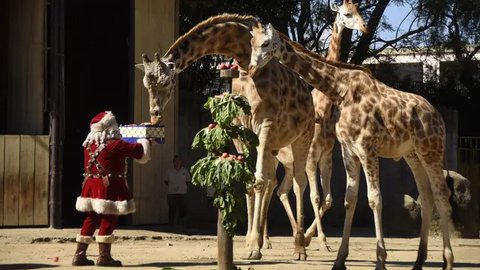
333	6
157	57
145	58
140	66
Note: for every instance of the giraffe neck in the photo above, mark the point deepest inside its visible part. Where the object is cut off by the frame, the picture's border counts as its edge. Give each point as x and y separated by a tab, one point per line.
228	35
335	43
329	77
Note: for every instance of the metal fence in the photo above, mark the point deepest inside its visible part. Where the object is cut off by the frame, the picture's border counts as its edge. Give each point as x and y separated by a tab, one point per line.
469	150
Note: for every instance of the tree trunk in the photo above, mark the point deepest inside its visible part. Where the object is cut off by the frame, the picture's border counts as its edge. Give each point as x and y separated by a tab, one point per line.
224	245
361	53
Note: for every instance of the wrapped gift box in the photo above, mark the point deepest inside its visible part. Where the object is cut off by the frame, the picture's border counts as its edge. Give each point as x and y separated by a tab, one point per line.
131	133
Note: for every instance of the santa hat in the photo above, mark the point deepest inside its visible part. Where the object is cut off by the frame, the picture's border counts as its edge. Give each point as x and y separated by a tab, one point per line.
102	127
103	121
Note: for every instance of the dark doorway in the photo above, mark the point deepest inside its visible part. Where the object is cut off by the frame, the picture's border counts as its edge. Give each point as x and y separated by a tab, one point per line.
98	67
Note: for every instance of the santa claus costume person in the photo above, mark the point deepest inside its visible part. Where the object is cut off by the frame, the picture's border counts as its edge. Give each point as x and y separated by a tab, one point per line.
105	193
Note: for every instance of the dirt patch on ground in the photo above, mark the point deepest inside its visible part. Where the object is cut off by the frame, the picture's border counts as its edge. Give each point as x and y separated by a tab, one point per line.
147	249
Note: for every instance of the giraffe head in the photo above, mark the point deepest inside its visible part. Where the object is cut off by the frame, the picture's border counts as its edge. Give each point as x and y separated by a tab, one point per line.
160	83
265	44
349	16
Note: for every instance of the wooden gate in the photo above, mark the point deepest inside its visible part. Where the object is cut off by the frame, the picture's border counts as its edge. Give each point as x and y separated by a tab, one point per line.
24	165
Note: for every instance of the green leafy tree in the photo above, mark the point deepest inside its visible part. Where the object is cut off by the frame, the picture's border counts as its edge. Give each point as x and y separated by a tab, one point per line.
227	173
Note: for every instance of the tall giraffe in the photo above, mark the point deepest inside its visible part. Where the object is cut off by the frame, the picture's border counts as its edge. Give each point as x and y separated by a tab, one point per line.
282	111
323	142
374	121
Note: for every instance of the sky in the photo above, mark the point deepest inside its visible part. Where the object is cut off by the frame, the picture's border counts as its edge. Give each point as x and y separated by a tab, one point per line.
395	14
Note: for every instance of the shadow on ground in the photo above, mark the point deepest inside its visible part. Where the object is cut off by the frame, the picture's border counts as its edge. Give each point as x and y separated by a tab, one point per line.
438	265
25	266
205	263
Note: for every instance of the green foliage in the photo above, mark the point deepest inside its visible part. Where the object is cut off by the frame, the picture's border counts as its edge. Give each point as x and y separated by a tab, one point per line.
214	140
226	173
225	108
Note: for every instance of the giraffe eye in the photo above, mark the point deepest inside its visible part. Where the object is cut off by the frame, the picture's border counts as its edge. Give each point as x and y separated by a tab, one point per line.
265	44
348	15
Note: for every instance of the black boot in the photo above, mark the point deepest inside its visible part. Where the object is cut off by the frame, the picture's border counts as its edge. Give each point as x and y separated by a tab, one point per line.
105	257
80	257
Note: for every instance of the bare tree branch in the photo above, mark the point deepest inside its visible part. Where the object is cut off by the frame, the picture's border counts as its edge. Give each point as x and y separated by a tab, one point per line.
390	43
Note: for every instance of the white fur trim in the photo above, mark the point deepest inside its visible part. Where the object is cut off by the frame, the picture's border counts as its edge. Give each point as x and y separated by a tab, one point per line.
146	151
105	238
84	239
107	121
105	207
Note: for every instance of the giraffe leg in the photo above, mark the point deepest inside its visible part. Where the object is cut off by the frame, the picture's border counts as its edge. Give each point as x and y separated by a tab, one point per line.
266	205
370	168
250	199
254	237
426	201
300	153
325	176
264	173
315	200
441	195
282	193
325	164
352	168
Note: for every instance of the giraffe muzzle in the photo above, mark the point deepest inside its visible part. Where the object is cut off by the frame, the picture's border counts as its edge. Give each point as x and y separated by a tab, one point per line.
155	120
252	70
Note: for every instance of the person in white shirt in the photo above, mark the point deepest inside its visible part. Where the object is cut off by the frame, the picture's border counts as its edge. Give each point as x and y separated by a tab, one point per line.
211	210
177	178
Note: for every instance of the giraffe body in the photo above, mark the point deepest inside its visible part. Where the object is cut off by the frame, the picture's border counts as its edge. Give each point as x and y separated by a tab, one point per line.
282	112
321	149
375	120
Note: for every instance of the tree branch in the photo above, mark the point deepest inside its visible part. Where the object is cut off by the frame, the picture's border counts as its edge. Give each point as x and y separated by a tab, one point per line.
395	40
361	52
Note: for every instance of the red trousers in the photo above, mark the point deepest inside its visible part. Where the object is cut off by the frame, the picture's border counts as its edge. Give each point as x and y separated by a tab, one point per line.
105	224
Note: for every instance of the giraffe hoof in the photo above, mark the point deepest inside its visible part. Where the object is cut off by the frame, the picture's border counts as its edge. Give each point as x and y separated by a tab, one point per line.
267	244
303	257
298	256
255	255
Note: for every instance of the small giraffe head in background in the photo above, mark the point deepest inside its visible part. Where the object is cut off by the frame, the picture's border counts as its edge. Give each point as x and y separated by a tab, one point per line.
160	83
265	44
349	16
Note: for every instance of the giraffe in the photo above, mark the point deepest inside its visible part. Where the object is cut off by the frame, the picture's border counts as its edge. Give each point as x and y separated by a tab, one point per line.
282	112
323	142
374	121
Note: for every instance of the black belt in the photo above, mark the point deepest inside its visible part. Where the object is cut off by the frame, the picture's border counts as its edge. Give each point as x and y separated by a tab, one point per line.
93	175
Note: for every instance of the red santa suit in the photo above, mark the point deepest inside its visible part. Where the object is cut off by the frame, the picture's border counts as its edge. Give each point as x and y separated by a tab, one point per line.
105	193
